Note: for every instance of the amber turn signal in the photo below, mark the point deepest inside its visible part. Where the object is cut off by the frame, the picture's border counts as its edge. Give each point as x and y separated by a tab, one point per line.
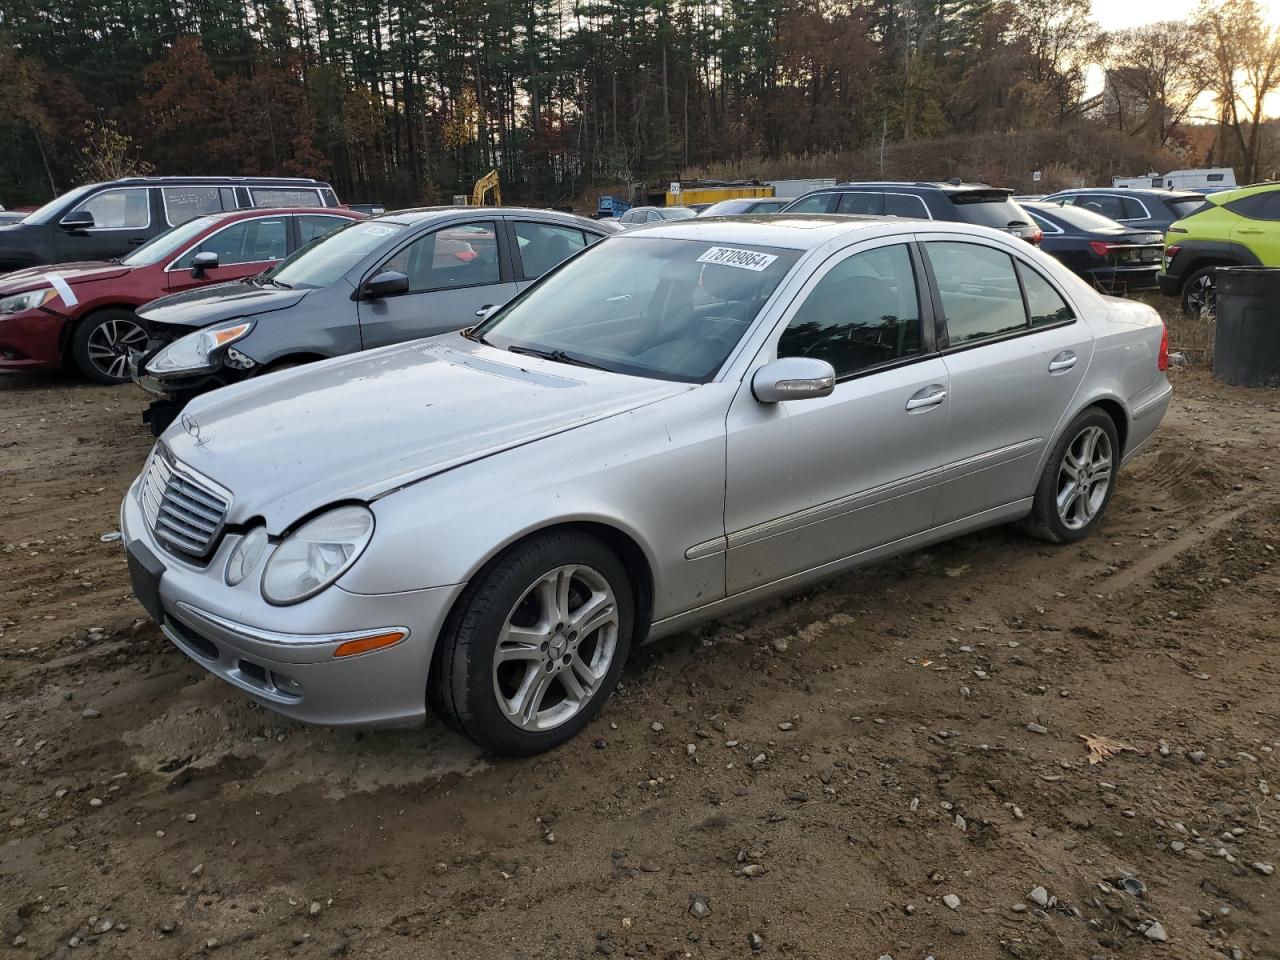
354	648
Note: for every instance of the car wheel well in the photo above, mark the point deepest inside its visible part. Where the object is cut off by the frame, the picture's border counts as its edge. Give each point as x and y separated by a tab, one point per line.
1201	262
1116	412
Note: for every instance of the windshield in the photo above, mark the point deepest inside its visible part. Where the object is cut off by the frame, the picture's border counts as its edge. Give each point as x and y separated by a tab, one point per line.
677	213
661	308
168	243
989	210
322	261
46	213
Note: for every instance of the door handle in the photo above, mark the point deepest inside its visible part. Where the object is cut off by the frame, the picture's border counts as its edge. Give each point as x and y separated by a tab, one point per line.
1063	361
484	310
1250	232
923	401
137	242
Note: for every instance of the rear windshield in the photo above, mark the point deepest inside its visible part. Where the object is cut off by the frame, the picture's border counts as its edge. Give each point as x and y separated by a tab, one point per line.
990	210
1084	219
1186	207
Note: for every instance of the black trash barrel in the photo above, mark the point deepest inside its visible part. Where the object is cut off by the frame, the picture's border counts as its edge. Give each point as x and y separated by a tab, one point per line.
1246	347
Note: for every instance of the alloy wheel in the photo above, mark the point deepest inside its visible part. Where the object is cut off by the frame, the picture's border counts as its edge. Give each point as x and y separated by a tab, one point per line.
1202	299
555	647
1084	478
110	344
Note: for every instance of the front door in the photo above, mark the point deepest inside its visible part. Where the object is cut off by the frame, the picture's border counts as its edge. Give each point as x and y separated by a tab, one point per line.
121	222
1016	354
244	248
814	481
453	272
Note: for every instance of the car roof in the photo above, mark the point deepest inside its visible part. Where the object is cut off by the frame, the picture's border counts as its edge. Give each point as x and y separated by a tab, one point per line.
1152	193
416	215
247	212
1235	193
214	180
946	187
797	231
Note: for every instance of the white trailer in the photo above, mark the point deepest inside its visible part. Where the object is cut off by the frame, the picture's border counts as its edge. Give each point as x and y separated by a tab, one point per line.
1205	178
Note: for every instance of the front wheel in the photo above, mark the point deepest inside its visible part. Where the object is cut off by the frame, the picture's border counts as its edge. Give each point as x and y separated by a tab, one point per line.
536	645
103	341
1078	480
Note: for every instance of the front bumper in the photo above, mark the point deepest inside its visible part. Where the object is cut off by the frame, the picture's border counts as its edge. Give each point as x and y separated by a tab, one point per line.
282	657
31	340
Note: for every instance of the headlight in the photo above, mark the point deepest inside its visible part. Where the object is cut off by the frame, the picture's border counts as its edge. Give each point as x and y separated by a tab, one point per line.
26	301
194	353
316	554
246	555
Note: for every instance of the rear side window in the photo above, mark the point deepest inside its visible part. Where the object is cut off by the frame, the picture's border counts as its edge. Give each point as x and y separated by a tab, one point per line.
1044	304
1103	204
186	203
862	201
310	227
543	245
905	205
987	210
284	197
1257	206
979	289
863	313
818	203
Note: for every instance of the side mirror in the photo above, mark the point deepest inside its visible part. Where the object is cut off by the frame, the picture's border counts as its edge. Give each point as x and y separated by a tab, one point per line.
793	378
388	284
79	220
201	262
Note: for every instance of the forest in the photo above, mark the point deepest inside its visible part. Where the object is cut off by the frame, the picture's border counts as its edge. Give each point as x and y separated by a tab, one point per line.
409	101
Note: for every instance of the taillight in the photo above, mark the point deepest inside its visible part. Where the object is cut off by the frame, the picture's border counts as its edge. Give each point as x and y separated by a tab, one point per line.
1100	248
1162	359
1171	251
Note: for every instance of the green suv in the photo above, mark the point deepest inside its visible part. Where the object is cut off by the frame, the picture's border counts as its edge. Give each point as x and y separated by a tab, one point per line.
1232	228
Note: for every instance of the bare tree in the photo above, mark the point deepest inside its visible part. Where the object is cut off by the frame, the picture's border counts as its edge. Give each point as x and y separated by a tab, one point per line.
1061	39
1155	74
1245	60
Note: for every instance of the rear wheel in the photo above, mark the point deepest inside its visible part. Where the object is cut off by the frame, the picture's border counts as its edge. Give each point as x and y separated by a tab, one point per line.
103	341
536	645
1078	480
1199	294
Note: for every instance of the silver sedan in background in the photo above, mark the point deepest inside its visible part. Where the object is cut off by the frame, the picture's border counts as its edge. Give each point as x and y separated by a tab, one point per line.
686	419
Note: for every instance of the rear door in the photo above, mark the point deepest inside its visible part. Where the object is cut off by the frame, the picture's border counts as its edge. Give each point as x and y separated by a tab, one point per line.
1016	353
1257	226
453	271
245	248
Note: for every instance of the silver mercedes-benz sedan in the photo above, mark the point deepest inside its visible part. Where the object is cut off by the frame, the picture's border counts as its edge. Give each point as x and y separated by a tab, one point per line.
676	422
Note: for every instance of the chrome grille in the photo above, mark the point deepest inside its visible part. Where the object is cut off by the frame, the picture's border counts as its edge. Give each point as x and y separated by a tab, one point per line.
184	510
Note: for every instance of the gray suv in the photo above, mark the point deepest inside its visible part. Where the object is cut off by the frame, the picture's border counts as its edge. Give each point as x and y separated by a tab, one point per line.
409	274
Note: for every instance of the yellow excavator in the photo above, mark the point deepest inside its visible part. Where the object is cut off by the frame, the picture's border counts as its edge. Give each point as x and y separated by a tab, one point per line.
486	183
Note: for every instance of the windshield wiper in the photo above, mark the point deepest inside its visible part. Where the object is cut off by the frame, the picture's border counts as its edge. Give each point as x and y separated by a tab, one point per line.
277	283
559	356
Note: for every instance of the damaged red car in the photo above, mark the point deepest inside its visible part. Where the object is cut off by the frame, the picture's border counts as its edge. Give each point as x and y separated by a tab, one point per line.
82	315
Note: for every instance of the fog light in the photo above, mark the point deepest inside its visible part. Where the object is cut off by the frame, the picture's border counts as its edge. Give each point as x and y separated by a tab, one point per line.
286	684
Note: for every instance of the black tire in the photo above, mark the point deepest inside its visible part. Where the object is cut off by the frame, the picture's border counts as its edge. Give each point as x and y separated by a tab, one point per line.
1200	288
1044	521
461	689
121	327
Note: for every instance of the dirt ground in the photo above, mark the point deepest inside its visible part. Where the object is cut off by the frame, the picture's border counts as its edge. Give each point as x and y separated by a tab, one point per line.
822	773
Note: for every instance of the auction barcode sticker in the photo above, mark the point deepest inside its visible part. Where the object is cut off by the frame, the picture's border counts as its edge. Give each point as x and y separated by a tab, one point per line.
374	230
742	259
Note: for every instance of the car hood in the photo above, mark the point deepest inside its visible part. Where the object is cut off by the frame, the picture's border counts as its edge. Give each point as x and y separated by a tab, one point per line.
222	301
360	426
73	273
